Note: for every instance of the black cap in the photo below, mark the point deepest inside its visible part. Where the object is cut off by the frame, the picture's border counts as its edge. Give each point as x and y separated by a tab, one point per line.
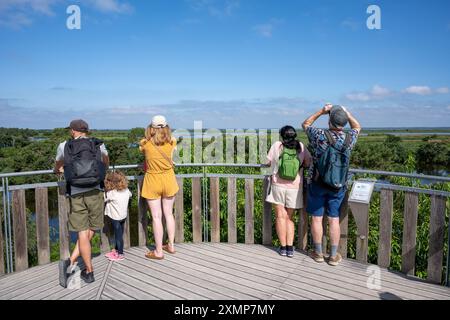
338	117
79	125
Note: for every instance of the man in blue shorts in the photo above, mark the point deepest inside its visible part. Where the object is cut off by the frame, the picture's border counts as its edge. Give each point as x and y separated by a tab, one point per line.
321	198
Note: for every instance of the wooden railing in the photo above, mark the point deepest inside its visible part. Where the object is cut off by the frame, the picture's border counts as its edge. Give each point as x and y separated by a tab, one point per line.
202	213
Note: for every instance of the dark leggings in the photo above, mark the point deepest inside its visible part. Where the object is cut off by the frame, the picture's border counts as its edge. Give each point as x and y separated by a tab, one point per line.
118	234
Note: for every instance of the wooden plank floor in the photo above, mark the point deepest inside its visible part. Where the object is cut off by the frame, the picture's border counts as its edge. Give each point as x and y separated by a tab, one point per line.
219	271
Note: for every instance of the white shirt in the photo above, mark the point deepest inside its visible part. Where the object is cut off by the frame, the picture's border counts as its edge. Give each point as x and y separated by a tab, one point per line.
116	204
60	150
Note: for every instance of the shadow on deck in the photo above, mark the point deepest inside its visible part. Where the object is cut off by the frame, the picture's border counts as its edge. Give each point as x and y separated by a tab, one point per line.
219	271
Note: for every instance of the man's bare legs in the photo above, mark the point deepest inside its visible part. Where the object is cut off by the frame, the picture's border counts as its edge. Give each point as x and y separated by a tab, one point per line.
83	248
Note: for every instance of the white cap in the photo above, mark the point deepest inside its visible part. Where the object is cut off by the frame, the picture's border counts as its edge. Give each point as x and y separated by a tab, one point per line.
159	122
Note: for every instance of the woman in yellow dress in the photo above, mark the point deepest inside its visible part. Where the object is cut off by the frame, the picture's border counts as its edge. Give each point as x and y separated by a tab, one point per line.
160	185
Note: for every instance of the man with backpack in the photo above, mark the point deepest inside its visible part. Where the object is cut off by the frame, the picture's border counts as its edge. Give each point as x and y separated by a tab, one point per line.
328	186
84	162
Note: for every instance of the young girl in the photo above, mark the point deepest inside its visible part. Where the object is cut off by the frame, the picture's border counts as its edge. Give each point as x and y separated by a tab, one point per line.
116	208
286	195
160	185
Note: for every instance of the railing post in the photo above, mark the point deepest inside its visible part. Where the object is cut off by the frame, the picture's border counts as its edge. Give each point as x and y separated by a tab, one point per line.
267	214
436	239
384	244
9	228
42	227
63	217
343	224
231	204
2	261
142	216
215	209
196	210
410	233
179	213
447	280
104	235
303	225
361	216
249	211
20	230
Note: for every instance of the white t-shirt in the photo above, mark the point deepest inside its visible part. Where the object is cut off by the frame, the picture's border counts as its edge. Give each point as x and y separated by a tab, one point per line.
116	204
60	157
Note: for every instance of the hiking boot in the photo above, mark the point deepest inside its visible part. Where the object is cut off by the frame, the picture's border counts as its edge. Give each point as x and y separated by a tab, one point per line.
317	257
334	261
63	275
87	277
282	252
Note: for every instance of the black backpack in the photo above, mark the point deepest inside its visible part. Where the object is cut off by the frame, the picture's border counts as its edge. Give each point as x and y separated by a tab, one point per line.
83	165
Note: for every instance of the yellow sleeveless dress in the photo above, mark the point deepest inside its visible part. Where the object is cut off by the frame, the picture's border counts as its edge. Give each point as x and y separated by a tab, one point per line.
159	179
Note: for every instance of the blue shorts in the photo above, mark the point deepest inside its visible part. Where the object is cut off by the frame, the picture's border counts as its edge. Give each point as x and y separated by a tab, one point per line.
320	198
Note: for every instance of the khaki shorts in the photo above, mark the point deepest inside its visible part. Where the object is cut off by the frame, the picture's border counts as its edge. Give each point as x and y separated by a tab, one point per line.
86	211
289	198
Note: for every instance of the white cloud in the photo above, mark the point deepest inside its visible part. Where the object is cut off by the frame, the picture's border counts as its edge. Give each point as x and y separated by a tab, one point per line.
350	24
16	14
443	90
359	96
15	20
113	6
39	6
419	90
215	8
377	92
266	29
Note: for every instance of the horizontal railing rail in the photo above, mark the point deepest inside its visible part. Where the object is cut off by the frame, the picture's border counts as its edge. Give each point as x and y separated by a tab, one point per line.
206	216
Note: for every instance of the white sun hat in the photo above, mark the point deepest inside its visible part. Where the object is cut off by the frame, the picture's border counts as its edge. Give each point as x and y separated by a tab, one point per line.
159	122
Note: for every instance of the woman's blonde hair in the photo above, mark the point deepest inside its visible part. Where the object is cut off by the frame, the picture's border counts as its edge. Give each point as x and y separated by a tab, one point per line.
116	180
159	136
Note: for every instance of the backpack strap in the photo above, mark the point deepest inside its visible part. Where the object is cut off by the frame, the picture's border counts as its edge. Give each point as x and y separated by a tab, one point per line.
330	137
162	153
347	141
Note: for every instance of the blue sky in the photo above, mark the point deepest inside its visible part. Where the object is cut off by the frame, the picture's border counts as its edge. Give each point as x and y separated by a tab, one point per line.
229	63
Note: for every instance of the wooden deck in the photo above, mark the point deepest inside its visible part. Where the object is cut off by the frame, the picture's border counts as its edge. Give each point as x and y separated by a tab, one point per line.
219	271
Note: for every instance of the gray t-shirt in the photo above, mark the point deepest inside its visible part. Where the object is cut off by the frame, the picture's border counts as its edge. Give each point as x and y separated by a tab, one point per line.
60	157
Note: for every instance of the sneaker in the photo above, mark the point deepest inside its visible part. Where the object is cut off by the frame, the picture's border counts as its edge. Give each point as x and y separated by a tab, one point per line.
282	252
87	277
111	254
63	275
317	257
117	257
290	253
334	261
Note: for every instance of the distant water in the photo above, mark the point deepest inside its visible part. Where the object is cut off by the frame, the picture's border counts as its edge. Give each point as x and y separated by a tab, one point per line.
418	133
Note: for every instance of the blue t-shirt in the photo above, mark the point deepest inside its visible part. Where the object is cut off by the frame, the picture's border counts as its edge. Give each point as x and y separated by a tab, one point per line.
319	142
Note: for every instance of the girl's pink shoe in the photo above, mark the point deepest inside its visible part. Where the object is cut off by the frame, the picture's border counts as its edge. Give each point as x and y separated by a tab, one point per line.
117	257
111	254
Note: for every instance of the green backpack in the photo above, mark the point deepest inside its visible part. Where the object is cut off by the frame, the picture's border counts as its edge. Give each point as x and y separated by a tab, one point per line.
289	164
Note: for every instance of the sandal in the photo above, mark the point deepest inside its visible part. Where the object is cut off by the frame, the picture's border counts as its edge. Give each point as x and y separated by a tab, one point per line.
151	255
166	247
